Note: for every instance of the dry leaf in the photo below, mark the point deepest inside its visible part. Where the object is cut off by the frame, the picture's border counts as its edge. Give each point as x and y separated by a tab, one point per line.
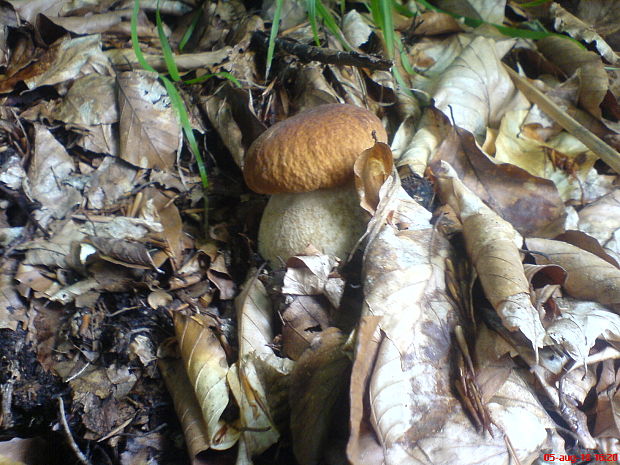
259	380
531	204
317	382
206	366
185	403
475	91
493	248
371	170
589	277
149	128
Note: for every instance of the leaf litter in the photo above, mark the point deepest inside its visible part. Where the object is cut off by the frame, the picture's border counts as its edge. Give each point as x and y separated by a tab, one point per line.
483	330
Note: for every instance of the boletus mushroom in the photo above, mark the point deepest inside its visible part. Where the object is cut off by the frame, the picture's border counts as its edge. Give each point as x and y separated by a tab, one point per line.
306	163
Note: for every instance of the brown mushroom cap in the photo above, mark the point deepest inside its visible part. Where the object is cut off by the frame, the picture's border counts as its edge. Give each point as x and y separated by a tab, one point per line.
312	150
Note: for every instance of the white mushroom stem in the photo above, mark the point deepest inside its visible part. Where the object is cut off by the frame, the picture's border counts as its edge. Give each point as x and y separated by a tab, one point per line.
329	219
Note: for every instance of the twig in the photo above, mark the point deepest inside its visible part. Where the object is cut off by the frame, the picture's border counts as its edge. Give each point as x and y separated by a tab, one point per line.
324	55
63	420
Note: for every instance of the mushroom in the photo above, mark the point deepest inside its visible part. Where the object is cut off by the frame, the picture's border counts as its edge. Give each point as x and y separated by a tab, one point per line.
306	163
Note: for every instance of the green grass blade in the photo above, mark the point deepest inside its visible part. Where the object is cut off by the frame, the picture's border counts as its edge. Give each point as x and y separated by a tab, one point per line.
171	65
388	25
331	24
272	36
534	3
135	42
190	30
179	106
311	10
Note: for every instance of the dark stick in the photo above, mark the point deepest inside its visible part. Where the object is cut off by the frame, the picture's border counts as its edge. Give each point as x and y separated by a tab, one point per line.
324	55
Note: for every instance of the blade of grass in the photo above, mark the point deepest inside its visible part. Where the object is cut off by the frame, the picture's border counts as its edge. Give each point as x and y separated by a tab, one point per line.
179	106
331	24
272	36
134	38
165	47
534	3
190	30
311	10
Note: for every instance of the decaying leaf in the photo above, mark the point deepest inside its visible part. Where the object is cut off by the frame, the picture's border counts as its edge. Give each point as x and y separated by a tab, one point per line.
149	129
412	408
588	276
371	169
259	380
185	402
493	248
318	380
530	204
475	90
206	366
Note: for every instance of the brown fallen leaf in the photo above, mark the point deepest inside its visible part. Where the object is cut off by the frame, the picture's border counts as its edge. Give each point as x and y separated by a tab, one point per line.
317	381
206	366
185	403
371	170
259	380
493	248
588	276
530	203
149	129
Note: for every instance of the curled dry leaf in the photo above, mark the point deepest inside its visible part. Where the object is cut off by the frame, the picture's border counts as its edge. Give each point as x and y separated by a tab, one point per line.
371	170
475	90
493	247
259	379
572	58
529	203
588	277
411	405
580	325
185	403
121	252
206	366
313	274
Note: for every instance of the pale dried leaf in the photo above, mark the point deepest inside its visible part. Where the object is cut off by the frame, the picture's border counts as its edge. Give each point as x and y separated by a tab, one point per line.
90	101
604	15
493	248
313	274
562	159
48	178
475	90
601	220
12	310
259	379
149	128
571	58
69	59
185	404
580	325
491	11
589	277
206	366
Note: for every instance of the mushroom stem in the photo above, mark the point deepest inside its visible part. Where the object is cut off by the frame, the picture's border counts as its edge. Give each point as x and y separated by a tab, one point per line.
329	219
